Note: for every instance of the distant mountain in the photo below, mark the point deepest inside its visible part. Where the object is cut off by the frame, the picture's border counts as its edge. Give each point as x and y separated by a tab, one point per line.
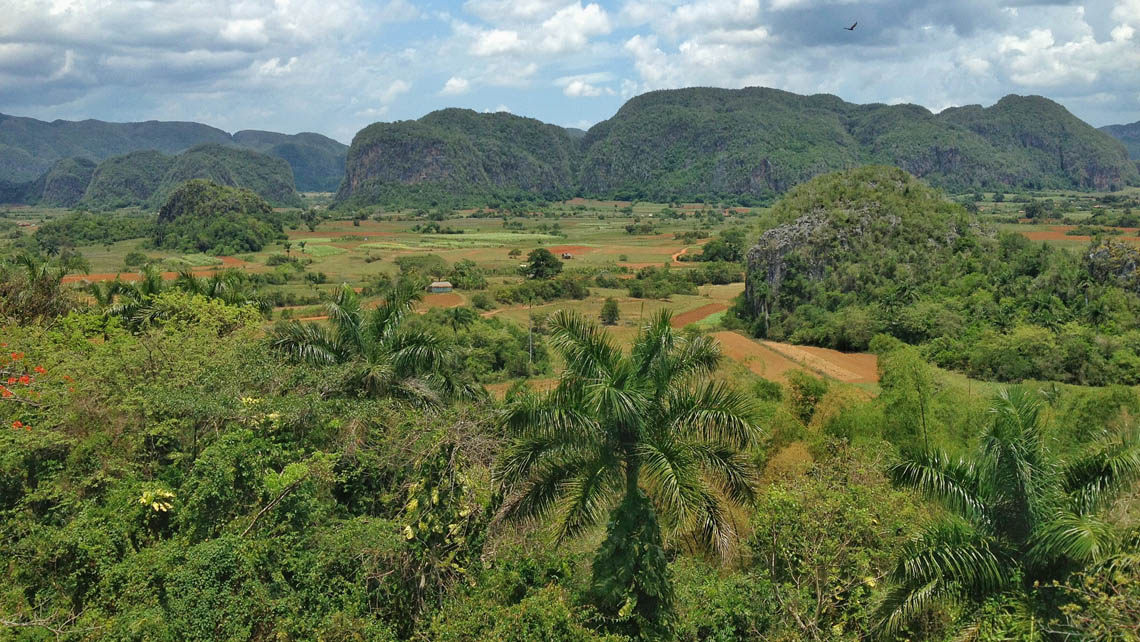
317	161
147	178
1127	134
713	143
457	153
30	147
761	141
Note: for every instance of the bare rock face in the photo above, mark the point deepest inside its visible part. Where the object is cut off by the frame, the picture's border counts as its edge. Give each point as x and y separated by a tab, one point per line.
1111	261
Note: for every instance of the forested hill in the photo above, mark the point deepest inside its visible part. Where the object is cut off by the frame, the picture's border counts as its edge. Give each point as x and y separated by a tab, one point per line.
145	178
1127	134
754	142
29	147
456	152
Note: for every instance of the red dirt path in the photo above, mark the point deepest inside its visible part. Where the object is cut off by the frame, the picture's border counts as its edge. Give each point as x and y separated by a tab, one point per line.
692	316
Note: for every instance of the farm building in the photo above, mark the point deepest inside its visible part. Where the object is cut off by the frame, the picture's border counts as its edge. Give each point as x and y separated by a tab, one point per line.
438	287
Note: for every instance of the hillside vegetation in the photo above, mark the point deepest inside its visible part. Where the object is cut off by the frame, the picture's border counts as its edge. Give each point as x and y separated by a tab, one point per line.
147	178
200	216
458	152
746	144
872	250
29	148
317	161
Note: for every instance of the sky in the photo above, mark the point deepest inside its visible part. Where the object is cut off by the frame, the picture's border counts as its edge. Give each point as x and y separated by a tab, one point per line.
335	66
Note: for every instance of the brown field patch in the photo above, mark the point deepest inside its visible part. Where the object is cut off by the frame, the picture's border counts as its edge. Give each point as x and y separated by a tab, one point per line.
692	316
759	359
846	367
443	300
572	249
1060	233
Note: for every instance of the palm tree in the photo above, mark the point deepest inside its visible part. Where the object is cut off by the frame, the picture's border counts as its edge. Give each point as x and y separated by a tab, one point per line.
641	437
1016	513
388	360
229	286
459	317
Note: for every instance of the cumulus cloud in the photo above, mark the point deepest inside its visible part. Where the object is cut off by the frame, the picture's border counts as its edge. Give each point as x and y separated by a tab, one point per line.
455	86
335	65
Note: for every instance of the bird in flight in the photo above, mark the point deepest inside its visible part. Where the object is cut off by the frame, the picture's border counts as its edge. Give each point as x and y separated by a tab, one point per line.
852	27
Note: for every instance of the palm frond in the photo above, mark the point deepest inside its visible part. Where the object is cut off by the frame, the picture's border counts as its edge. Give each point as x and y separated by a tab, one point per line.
733	474
308	343
1095	480
415	352
672	478
586	347
901	605
1084	539
952	554
386	318
713	412
588	495
954	483
345	315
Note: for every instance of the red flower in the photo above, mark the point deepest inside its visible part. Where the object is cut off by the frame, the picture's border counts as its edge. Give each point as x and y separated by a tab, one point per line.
4	392
16	356
67	378
17	424
40	369
11	380
25	380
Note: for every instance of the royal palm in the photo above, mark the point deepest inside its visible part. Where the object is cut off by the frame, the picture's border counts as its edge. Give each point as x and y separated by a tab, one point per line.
645	438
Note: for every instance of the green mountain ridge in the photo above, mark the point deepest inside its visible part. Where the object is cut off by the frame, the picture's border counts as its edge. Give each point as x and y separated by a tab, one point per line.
146	178
756	142
30	147
457	152
1129	135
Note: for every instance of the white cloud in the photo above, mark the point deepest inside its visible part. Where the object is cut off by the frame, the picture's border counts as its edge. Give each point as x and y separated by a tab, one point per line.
394	90
495	42
455	86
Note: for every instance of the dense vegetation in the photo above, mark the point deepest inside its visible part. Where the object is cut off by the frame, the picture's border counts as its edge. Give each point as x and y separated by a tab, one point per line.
747	145
853	254
30	148
458	153
317	161
200	216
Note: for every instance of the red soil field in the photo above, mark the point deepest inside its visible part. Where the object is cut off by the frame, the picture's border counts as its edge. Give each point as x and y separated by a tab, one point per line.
759	359
846	367
442	300
1058	233
557	250
774	360
692	316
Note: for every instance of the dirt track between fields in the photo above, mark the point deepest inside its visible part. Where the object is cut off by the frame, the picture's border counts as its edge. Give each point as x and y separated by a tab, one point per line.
701	313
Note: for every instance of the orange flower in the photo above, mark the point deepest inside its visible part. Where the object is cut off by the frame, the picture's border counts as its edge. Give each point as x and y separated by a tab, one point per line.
17	424
4	392
16	356
67	378
11	380
40	369
25	380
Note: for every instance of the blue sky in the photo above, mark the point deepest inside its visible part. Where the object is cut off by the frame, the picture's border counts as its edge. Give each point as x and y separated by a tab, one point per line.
334	66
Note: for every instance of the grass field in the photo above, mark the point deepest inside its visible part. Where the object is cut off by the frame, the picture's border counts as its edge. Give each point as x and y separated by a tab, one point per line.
593	236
